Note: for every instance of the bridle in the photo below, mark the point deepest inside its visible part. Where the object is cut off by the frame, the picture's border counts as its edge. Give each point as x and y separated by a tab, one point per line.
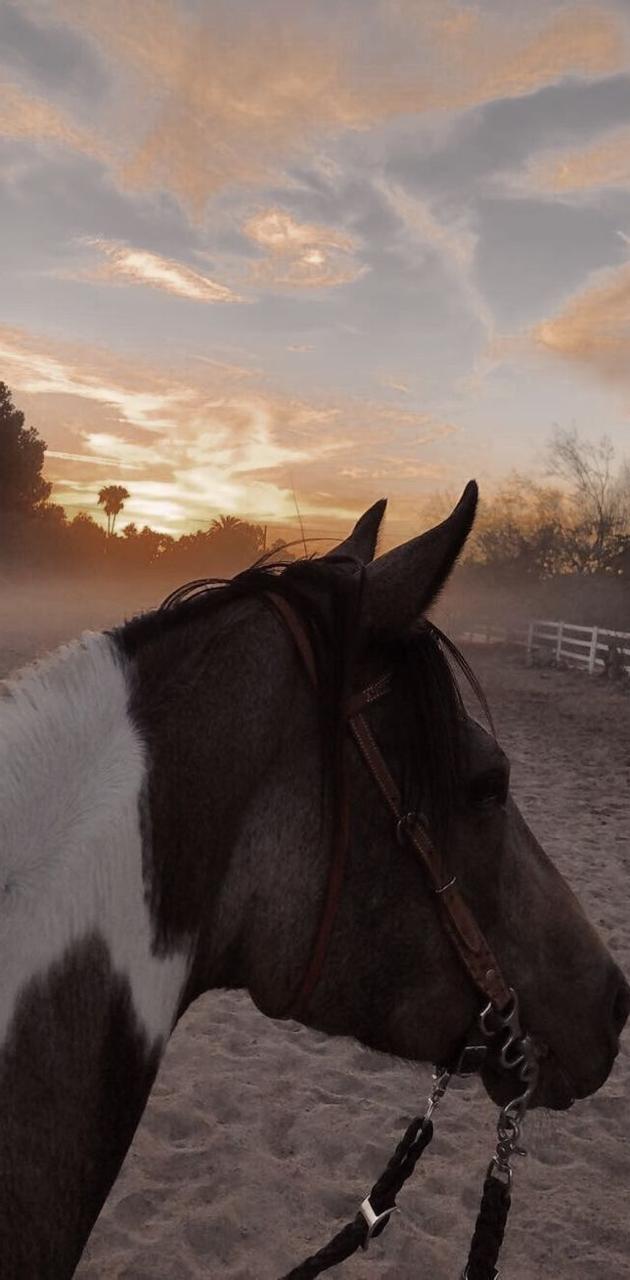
498	1019
470	943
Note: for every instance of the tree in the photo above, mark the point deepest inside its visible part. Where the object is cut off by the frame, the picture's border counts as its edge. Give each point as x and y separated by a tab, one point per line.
112	497
518	533
140	548
597	529
22	487
235	543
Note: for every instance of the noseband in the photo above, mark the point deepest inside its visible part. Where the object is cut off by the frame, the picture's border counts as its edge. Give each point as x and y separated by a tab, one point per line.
498	1019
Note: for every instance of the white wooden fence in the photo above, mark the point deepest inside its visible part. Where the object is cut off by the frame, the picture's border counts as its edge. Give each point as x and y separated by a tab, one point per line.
590	647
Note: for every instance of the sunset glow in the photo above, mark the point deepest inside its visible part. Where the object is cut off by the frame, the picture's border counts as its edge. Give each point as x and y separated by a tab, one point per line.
354	250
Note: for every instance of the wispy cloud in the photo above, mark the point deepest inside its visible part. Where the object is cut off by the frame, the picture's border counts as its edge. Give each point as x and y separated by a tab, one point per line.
201	440
38	371
451	237
213	100
396	384
25	117
127	265
593	328
490	54
576	170
301	255
64	456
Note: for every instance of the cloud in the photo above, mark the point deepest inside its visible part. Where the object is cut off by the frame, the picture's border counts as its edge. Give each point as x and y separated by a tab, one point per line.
37	371
64	456
484	55
593	328
301	254
396	384
25	117
452	239
212	99
199	440
226	98
577	170
139	266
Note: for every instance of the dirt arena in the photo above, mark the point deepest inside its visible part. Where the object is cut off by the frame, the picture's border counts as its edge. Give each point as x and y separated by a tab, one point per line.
261	1139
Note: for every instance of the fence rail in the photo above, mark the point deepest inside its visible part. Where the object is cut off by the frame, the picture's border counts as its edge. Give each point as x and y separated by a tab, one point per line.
591	647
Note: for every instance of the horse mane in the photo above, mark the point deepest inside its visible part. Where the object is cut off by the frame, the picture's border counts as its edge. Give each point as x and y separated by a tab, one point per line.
326	593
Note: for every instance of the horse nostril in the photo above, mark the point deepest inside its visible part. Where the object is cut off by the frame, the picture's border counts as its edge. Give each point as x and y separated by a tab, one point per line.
621	1006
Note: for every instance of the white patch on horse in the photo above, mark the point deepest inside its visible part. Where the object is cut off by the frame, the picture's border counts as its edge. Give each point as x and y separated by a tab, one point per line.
72	767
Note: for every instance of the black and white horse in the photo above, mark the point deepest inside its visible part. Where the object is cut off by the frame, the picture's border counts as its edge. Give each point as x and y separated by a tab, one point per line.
167	807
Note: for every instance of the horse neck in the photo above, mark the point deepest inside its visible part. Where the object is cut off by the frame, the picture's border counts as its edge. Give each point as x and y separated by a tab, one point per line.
87	999
211	700
123	785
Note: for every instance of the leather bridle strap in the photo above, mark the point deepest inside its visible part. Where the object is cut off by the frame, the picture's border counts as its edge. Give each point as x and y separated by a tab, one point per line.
458	919
293	624
459	922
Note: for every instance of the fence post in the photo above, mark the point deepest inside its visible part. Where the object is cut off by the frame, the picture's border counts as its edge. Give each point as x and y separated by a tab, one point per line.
592	655
529	652
559	642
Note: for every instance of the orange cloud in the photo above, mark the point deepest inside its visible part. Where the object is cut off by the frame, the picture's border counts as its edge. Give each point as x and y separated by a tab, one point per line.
605	163
301	254
202	439
225	99
23	116
139	266
593	329
221	99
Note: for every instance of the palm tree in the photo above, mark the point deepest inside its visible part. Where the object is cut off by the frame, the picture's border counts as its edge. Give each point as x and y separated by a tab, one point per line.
225	524
112	497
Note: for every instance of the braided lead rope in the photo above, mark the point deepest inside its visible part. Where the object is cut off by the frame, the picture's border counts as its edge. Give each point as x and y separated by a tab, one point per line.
489	1230
377	1208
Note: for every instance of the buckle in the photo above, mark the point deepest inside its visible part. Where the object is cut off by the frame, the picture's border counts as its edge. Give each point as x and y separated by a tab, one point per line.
376	1222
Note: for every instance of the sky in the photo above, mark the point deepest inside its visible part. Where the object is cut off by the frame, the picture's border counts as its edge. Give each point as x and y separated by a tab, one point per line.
260	250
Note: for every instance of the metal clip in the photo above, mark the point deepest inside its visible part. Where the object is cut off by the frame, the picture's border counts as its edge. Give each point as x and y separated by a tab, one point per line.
498	1169
401	827
441	1077
446	886
374	1220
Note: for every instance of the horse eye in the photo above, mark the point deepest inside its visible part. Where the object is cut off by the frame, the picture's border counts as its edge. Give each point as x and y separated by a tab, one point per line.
488	790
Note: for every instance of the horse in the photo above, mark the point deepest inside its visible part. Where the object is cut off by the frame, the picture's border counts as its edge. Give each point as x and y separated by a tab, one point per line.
170	792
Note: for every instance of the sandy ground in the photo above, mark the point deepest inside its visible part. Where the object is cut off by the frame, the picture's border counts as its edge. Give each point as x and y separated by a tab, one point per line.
260	1139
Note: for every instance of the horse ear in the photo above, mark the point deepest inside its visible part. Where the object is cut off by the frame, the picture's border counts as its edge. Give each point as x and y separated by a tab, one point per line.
362	541
400	585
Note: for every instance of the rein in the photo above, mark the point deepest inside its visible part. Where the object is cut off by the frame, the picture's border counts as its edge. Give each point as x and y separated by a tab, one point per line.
498	1019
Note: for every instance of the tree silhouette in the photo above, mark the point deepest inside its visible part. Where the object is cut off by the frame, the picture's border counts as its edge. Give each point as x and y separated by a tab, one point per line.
598	530
235	542
112	497
22	487
225	524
